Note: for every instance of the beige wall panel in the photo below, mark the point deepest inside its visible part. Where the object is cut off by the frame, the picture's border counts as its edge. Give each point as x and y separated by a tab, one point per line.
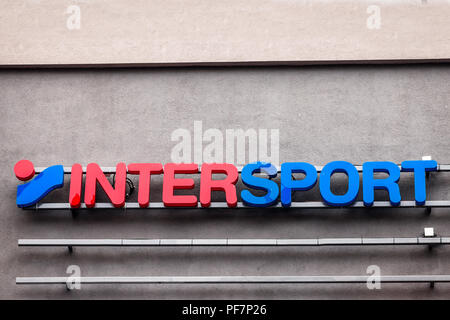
34	32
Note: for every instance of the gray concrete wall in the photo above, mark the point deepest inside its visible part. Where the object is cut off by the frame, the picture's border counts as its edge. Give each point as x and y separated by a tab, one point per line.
353	113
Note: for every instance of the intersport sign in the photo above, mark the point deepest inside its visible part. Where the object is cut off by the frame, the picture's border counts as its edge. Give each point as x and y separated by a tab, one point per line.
52	178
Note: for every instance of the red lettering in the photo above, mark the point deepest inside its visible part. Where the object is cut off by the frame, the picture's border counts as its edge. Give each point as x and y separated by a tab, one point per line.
116	195
228	185
144	170
171	183
76	178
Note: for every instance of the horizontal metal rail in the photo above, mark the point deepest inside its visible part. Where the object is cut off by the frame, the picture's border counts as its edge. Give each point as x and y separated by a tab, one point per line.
231	242
110	170
240	205
232	279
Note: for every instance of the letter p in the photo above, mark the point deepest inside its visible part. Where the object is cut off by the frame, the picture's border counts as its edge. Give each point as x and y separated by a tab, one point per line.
288	184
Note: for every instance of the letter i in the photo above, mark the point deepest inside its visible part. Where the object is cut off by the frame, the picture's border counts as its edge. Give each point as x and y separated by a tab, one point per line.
76	177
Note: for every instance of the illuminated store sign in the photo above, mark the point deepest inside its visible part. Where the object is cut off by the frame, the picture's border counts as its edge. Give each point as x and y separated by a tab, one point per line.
52	177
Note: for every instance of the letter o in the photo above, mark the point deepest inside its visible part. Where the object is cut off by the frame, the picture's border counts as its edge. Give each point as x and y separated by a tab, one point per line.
325	183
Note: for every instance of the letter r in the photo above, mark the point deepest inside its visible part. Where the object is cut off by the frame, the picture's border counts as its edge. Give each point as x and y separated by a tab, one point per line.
390	183
207	184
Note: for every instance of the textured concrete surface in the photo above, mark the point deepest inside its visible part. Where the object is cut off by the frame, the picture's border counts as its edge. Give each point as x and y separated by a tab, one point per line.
231	31
353	113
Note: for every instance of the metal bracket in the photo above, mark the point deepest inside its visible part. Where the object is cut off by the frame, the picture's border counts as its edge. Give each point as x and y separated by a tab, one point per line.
68	288
240	205
74	213
358	241
427	183
430	279
430	238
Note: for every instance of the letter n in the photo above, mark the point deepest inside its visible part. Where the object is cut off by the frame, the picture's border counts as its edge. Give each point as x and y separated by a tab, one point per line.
116	194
